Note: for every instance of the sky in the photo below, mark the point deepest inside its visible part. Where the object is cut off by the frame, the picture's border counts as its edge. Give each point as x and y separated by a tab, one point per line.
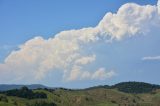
78	44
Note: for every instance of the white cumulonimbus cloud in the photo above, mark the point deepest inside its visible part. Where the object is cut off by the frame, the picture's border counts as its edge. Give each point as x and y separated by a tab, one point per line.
65	51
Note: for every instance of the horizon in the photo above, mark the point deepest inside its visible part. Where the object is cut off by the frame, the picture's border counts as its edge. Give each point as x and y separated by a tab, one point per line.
79	44
55	87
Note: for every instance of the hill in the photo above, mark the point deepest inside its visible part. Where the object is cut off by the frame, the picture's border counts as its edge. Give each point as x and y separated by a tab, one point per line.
135	87
5	87
94	96
130	87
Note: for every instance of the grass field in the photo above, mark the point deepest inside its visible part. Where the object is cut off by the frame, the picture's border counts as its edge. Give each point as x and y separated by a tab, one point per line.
93	97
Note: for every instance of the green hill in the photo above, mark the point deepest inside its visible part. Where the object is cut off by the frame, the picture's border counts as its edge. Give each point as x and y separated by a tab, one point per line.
95	96
135	87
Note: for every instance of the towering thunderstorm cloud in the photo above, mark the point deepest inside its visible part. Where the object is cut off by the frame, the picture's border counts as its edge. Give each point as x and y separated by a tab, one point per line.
68	50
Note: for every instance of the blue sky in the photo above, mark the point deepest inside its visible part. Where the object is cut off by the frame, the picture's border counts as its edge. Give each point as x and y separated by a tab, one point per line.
22	21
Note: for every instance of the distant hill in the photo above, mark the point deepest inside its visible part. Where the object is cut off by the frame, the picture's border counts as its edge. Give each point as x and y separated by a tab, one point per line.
100	86
127	87
130	87
5	87
135	87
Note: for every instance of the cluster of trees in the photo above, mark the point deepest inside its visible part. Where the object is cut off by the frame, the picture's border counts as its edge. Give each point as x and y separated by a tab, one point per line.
135	87
42	103
3	98
24	92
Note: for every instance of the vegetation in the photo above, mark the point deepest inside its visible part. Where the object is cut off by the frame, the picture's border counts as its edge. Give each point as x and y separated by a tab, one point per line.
3	98
135	87
24	92
42	103
95	96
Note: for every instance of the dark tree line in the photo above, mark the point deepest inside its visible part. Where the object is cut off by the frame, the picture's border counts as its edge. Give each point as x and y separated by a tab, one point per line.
135	87
24	92
42	103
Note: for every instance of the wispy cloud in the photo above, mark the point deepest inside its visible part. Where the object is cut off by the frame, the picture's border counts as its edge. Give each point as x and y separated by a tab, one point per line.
151	58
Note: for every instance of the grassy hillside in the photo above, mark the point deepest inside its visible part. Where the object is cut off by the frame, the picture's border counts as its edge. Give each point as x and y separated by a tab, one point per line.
98	96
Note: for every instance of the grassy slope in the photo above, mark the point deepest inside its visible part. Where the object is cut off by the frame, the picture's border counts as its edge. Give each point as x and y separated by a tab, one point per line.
94	97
